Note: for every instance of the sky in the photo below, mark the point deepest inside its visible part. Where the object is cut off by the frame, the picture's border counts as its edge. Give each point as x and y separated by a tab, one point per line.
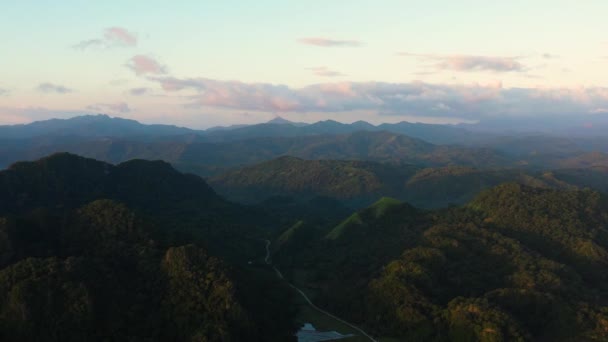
207	63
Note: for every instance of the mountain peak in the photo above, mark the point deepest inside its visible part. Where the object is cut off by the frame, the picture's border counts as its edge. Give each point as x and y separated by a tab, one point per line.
280	121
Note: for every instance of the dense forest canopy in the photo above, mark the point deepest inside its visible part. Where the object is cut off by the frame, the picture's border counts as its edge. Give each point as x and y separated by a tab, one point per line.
141	251
516	263
77	268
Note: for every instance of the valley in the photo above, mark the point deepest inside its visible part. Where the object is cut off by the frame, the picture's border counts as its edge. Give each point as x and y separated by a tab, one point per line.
371	234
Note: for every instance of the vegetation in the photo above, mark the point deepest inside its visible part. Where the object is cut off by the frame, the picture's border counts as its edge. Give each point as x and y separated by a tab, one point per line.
357	184
139	251
517	263
74	267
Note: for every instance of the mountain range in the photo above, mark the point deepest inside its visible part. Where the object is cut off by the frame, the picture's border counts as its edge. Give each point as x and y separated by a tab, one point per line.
211	153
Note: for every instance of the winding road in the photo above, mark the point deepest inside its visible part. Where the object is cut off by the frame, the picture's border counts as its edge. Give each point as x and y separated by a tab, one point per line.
280	275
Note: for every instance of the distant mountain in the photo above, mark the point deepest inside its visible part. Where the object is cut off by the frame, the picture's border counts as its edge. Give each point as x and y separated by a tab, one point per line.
192	154
281	121
364	145
275	121
101	125
440	134
579	125
224	128
587	136
89	126
211	152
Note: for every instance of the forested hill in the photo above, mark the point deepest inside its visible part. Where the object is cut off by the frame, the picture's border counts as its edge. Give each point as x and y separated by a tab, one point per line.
65	179
518	263
137	251
360	183
197	155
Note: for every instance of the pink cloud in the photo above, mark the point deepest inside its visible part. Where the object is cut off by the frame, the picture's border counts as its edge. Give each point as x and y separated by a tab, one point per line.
143	65
112	37
121	36
325	42
417	98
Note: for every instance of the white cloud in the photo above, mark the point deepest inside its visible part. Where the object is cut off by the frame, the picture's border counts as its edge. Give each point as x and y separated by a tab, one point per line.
417	98
470	63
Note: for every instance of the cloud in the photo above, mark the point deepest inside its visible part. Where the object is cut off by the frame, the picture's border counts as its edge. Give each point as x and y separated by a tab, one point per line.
417	98
143	65
120	107
325	42
4	92
139	91
53	88
470	63
325	72
120	36
112	37
549	56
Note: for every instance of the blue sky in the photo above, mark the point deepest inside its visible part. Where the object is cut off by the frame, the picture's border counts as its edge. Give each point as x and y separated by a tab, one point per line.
205	63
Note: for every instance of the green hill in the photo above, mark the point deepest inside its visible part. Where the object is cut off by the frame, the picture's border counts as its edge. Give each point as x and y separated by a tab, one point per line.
360	183
516	263
374	212
356	181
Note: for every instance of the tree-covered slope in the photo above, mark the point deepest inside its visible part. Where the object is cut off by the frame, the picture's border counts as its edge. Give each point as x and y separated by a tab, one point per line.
99	273
137	251
360	183
66	180
516	263
290	176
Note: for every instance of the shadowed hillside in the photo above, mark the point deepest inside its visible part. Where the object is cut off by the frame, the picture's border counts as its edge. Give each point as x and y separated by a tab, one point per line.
136	251
516	263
